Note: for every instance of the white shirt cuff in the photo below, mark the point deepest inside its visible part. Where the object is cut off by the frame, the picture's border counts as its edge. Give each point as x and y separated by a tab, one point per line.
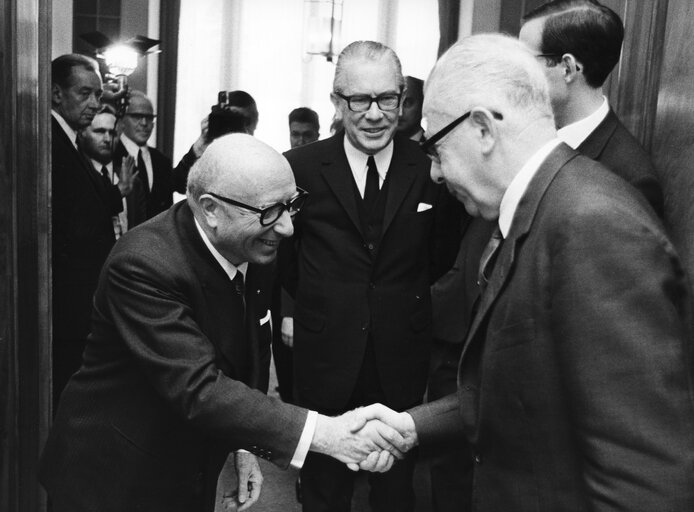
305	440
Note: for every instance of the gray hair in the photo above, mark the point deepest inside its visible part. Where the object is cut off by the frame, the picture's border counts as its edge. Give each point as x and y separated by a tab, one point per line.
492	70
368	50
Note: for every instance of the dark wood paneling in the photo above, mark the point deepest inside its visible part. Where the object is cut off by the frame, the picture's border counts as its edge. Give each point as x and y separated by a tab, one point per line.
673	137
24	228
168	72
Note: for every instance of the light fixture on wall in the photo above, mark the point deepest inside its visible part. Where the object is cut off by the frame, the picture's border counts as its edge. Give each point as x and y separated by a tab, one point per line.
120	58
322	27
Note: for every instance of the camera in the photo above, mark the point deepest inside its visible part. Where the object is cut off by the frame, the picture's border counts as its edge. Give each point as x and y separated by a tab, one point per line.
225	118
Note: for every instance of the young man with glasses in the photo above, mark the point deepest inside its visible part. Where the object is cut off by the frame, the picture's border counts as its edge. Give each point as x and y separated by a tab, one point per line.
154	168
359	267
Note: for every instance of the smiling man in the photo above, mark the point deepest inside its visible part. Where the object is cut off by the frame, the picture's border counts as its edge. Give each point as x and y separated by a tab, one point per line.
362	252
180	336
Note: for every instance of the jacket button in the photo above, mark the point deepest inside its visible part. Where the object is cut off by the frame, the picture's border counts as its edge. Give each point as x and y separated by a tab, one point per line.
478	458
371	247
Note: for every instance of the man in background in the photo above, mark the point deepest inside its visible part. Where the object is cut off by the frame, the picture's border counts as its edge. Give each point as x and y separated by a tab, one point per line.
360	267
304	127
83	204
154	168
97	143
409	123
579	43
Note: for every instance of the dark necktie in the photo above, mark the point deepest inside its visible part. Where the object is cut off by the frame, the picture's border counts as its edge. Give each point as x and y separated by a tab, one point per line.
104	171
142	171
371	189
489	255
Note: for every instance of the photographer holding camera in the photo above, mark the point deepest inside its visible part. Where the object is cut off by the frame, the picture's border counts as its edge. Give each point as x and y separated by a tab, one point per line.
235	112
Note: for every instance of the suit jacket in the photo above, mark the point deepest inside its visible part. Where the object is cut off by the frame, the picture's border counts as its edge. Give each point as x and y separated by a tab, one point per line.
83	203
454	295
347	289
160	194
160	399
612	145
575	382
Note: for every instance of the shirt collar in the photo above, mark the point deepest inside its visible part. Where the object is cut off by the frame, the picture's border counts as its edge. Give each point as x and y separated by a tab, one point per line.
357	159
575	133
229	268
98	165
515	191
72	134
130	146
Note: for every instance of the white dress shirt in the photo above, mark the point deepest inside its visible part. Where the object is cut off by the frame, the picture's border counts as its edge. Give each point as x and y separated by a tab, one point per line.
120	221
515	191
357	163
310	426
132	148
575	133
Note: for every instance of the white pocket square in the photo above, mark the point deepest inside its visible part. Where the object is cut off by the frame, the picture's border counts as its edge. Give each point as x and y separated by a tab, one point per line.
266	318
422	207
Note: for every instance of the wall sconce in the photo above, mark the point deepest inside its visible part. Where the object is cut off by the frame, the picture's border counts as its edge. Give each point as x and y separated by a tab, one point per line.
121	60
322	27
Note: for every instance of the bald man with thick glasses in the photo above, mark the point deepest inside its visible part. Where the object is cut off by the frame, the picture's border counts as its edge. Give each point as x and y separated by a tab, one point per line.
176	366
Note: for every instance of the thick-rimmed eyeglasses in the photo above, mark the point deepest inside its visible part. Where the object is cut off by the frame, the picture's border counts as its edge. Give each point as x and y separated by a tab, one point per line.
427	145
362	102
271	213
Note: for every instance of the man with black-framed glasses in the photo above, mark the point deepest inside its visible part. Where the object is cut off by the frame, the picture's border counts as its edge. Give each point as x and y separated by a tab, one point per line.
154	168
176	367
359	267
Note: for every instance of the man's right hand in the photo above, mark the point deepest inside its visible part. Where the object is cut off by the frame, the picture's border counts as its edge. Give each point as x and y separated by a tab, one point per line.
127	175
287	331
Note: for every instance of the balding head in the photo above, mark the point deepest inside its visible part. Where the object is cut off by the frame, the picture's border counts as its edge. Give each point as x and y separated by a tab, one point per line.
245	170
487	109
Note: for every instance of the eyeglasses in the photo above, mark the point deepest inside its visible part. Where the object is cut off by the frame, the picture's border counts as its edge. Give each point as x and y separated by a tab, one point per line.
138	118
362	102
427	145
271	213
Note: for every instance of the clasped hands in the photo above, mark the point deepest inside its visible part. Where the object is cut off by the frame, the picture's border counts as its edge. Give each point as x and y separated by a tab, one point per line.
368	438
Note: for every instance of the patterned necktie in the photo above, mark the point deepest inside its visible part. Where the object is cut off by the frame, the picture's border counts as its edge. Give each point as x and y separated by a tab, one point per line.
142	171
489	255
371	189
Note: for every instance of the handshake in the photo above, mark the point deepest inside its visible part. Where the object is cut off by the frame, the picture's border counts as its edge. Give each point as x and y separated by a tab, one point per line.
368	438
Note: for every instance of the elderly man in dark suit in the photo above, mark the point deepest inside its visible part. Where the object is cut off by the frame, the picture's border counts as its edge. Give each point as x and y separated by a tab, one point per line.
359	269
575	381
97	143
180	336
154	168
83	204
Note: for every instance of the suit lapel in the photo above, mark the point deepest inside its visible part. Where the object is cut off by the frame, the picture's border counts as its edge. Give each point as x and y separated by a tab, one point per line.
522	221
338	175
595	143
401	175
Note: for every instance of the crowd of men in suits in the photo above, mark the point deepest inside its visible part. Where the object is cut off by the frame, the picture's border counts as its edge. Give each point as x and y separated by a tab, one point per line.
516	273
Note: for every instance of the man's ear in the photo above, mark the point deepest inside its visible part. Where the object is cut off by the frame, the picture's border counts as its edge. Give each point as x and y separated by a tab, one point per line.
210	210
335	99
486	128
56	94
572	68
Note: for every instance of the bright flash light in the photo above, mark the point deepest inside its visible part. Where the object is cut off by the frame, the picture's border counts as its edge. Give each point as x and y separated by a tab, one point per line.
121	59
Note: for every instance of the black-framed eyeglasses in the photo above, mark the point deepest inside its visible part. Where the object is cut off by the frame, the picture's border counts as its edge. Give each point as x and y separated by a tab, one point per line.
271	213
362	102
427	145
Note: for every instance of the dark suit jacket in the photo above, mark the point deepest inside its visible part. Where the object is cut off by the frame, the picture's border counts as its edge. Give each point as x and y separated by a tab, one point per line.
575	383
83	203
159	402
455	293
160	195
612	145
346	291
